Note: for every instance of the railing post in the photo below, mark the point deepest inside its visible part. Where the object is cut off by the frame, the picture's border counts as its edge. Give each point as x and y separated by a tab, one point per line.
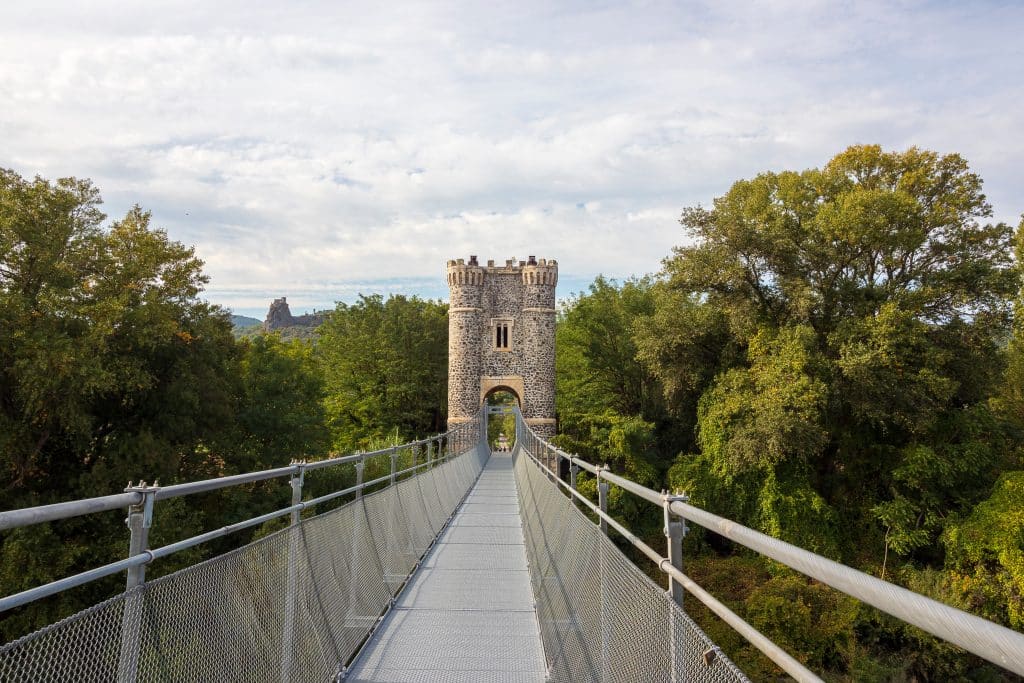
394	463
139	522
675	529
602	497
574	471
360	466
290	597
296	482
481	437
357	538
430	453
602	500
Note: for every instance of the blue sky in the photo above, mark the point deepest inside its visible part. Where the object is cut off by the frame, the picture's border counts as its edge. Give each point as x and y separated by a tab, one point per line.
321	149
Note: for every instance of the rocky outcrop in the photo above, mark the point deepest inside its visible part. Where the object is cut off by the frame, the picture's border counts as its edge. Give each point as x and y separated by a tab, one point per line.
280	316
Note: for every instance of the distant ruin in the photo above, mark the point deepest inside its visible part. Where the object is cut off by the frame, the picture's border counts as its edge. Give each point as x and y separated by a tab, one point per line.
280	316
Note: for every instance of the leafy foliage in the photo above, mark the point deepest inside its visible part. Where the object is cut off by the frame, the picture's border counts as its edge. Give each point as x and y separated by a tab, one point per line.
106	353
110	369
835	358
385	368
609	405
986	552
830	346
863	300
814	622
281	416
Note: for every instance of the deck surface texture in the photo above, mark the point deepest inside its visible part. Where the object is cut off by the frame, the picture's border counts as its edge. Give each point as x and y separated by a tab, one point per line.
467	615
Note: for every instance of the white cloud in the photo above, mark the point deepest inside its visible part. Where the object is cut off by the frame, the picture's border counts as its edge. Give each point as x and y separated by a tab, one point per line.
315	147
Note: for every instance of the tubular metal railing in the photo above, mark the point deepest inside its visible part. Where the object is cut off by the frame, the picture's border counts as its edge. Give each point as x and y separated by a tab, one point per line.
433	498
300	602
993	642
602	620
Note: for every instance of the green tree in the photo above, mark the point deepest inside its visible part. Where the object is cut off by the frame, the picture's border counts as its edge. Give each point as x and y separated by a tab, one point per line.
684	343
597	367
281	413
107	356
986	553
823	246
880	265
610	406
385	369
111	369
760	433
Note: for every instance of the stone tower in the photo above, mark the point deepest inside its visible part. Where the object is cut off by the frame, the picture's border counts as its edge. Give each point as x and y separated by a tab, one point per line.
501	335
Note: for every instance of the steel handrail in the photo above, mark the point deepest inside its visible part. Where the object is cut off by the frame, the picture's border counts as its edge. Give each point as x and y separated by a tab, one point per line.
783	659
991	641
134	498
12	519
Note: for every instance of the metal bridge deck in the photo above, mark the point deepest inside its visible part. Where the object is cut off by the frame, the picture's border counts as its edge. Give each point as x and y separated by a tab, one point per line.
467	615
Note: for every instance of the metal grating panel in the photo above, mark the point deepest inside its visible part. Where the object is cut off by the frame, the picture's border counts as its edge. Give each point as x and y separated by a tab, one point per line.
485	519
484	535
470	556
294	605
467	614
485	589
601	618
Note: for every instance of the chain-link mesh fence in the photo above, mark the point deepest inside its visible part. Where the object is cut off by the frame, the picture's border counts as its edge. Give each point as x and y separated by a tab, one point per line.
601	618
292	606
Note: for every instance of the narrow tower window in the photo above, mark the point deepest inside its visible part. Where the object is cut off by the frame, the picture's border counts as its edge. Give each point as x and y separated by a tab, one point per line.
502	333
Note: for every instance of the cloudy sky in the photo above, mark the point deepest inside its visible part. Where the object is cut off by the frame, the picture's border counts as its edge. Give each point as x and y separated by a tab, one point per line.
320	149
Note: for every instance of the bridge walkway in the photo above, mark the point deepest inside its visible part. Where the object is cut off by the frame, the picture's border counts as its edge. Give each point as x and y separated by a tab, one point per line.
467	615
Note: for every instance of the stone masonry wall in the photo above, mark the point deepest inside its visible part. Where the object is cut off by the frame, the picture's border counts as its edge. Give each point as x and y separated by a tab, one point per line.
521	295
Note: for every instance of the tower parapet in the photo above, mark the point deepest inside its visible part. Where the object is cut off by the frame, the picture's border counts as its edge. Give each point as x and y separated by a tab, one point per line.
462	273
540	272
464	282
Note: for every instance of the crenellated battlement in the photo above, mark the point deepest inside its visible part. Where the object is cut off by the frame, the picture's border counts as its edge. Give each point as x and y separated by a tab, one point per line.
462	273
542	273
534	271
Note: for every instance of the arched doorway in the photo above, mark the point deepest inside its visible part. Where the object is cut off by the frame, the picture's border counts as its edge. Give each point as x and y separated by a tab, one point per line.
501	426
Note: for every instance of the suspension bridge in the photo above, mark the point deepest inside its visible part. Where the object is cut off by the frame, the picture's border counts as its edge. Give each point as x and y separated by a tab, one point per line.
457	564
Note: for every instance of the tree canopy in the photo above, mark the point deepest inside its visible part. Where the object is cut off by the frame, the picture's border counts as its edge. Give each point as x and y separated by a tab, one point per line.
834	356
107	357
385	365
838	367
863	306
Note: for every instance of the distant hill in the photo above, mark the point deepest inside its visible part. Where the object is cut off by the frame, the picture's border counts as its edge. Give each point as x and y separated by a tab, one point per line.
239	321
